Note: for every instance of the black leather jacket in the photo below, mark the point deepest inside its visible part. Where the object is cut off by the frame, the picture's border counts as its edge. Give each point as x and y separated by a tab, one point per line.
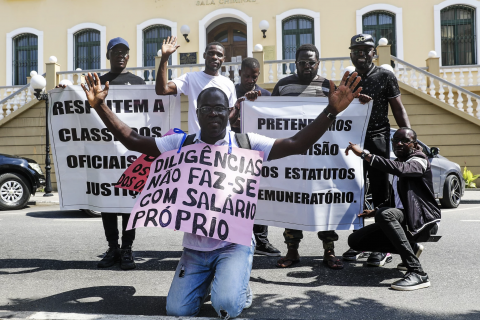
415	189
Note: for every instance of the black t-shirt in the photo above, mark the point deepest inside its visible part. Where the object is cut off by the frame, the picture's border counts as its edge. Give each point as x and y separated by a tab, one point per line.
241	92
381	85
291	86
126	78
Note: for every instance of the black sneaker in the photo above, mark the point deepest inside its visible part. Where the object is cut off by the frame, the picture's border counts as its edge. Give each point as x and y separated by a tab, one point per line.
378	259
353	255
267	250
418	251
111	257
411	281
126	262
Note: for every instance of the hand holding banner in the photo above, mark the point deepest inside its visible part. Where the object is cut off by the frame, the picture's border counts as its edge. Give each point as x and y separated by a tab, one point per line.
202	190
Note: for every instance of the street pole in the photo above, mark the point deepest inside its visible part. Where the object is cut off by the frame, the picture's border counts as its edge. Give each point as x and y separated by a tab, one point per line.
48	182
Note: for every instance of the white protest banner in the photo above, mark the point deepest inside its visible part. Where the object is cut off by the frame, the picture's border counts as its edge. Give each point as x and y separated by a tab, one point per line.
202	190
88	160
322	190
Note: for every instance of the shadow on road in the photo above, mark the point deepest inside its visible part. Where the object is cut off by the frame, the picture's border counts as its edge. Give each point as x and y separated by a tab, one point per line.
146	260
56	214
312	305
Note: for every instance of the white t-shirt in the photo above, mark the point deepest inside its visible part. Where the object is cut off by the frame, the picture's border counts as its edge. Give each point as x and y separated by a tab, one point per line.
192	83
172	142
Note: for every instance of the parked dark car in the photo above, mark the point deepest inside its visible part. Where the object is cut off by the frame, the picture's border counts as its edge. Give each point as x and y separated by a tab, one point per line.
19	178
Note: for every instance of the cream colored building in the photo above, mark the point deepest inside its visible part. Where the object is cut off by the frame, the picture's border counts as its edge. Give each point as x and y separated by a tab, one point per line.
58	25
438	90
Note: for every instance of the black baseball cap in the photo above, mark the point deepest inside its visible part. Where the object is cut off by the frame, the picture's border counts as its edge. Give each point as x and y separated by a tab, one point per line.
362	40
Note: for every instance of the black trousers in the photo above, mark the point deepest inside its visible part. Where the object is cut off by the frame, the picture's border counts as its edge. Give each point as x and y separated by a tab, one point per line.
378	142
110	225
261	234
387	234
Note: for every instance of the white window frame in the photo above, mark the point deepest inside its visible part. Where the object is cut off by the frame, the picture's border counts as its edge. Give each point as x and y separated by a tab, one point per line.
438	28
71	42
298	12
398	22
9	46
142	26
218	14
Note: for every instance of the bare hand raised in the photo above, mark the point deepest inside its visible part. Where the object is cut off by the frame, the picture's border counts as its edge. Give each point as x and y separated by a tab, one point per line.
95	94
341	98
169	46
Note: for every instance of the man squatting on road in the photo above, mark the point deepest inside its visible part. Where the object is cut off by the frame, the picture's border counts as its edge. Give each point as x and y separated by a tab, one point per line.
118	54
382	86
210	265
415	216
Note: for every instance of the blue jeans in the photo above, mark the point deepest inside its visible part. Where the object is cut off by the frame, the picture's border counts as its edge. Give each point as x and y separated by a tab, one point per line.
225	272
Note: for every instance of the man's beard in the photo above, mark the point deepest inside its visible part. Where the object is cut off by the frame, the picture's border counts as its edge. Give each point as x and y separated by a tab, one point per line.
215	69
305	78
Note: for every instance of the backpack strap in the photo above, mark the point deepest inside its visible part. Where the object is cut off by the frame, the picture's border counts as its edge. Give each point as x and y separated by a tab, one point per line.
242	140
189	140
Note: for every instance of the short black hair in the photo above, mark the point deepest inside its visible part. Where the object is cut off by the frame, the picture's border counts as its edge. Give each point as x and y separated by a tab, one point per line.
251	63
411	130
211	90
214	44
307	47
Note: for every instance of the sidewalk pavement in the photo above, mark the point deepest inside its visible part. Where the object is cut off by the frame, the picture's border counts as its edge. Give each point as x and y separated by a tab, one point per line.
470	196
39	199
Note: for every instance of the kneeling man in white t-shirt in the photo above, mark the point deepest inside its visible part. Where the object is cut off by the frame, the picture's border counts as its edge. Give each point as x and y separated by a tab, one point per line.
208	265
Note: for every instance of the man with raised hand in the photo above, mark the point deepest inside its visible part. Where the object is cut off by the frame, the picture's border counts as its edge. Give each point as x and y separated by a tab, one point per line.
192	83
382	86
248	88
416	212
210	265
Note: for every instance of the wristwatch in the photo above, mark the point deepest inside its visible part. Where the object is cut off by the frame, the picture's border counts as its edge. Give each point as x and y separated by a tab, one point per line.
330	116
364	153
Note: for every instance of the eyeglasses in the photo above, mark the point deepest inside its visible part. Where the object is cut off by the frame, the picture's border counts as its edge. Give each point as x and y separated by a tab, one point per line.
361	52
303	63
116	53
216	109
402	141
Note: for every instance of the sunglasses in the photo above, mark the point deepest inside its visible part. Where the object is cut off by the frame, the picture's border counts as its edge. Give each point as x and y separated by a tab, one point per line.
402	141
216	109
303	63
361	52
116	53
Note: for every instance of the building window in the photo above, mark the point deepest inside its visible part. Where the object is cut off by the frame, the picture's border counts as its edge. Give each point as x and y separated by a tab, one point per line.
458	35
296	30
381	24
87	49
25	57
153	37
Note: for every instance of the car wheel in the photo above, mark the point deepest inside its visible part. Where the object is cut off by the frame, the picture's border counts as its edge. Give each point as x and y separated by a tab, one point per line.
14	192
451	192
92	213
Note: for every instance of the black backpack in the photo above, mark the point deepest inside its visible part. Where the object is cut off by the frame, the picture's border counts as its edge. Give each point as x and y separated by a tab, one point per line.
242	140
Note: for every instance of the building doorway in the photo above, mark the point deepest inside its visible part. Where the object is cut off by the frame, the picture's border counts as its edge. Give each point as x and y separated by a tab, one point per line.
233	36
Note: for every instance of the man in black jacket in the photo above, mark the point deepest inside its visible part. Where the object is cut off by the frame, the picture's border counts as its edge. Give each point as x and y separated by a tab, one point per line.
416	213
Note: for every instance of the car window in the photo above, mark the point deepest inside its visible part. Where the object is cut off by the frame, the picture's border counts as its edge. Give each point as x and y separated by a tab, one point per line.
425	148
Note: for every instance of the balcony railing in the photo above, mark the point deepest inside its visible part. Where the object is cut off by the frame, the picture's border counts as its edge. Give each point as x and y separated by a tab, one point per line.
425	82
468	75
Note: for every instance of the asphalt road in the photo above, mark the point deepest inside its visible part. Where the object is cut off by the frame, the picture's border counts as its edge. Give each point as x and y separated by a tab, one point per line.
48	264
